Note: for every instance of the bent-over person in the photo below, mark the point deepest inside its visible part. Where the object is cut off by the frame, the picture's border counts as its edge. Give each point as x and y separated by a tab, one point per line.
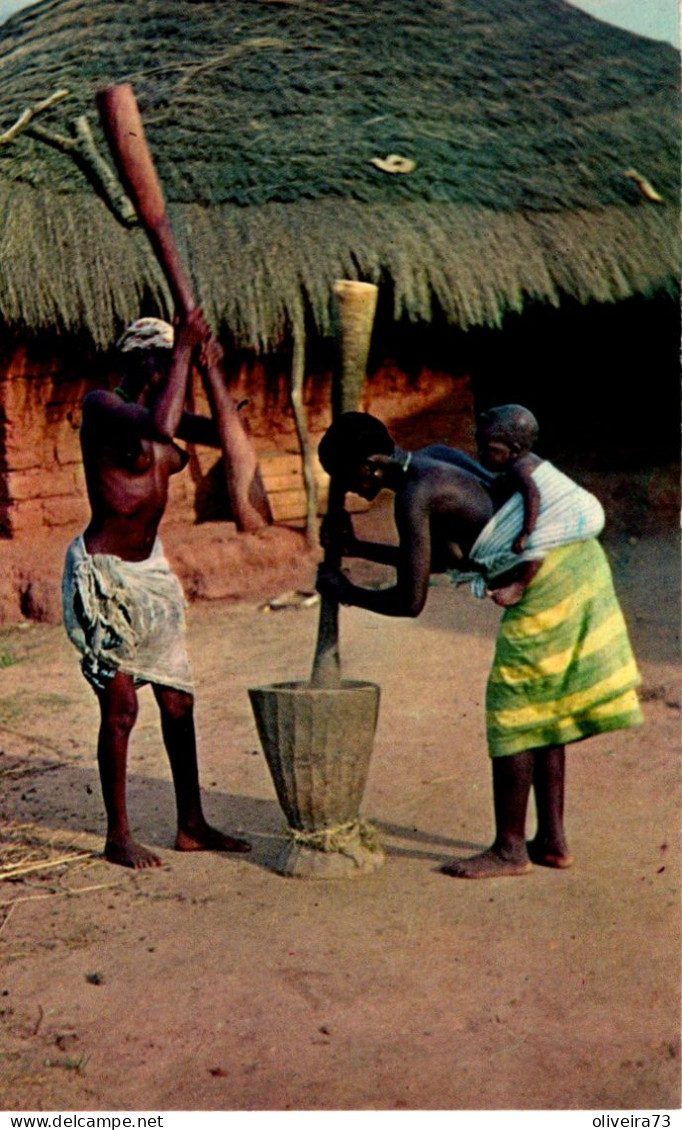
563	667
124	608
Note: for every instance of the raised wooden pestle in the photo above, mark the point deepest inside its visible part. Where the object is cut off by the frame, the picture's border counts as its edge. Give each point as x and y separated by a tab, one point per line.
122	125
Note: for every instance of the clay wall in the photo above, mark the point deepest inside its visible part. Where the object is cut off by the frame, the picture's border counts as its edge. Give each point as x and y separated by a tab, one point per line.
42	486
40	466
579	370
43	501
431	406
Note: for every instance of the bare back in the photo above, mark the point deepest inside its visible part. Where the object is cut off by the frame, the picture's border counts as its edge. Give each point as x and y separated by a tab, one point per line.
444	505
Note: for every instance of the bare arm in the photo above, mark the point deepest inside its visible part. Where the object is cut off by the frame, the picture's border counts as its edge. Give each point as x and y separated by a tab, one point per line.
522	479
243	480
192	428
376	551
198	429
168	409
337	534
413	556
231	434
104	410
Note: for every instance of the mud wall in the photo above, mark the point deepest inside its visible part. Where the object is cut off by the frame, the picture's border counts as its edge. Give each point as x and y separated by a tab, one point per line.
604	383
43	502
427	406
42	486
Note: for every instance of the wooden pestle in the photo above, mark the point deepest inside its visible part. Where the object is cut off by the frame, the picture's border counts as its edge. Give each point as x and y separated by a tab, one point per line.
356	306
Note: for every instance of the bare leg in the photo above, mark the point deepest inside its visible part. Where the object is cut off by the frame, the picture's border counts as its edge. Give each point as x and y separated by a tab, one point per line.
509	595
512	777
512	585
550	846
177	725
118	710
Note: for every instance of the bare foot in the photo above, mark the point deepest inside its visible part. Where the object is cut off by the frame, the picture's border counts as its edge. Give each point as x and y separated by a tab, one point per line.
125	851
509	595
206	838
490	864
549	855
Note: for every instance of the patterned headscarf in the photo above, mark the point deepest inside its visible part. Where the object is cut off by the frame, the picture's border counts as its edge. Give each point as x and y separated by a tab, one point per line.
146	333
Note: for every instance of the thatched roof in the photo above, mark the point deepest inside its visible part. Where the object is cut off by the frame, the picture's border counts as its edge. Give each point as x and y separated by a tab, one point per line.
522	118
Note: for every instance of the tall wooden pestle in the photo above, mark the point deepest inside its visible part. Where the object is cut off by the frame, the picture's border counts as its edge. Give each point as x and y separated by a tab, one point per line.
356	306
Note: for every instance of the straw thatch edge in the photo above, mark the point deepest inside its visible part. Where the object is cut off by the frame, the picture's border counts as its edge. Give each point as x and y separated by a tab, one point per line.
66	264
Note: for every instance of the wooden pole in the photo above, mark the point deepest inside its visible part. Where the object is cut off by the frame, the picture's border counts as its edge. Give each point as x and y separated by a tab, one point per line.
356	307
122	125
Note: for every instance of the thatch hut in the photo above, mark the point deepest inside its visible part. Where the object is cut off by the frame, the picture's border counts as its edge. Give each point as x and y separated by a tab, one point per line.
505	170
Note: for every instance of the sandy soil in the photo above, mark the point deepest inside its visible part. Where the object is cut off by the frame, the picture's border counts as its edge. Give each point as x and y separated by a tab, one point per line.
214	983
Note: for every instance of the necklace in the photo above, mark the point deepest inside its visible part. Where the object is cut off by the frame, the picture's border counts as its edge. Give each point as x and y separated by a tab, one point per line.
118	391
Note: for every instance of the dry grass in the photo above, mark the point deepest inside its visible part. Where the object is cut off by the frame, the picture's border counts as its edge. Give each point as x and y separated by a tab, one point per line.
25	849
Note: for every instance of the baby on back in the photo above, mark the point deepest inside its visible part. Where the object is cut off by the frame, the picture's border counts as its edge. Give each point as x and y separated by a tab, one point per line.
553	508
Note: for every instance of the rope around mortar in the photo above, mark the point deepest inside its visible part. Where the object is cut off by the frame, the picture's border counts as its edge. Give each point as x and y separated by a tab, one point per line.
344	838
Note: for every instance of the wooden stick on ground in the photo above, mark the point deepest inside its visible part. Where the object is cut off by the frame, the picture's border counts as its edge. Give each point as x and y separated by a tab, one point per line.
14	870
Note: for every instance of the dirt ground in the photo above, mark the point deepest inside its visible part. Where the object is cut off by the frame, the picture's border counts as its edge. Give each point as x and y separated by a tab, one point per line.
214	983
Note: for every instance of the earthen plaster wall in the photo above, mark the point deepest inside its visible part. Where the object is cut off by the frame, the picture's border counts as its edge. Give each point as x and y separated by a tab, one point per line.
43	500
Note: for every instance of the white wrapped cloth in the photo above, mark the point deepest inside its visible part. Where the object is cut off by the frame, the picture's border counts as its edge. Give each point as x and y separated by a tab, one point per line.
126	616
567	513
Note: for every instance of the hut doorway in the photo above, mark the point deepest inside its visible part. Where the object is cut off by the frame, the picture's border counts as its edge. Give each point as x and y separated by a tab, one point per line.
603	380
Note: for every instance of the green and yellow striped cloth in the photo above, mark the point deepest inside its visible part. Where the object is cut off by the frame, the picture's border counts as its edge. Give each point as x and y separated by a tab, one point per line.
563	666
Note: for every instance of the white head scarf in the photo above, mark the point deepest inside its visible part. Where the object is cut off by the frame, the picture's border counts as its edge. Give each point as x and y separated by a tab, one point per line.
146	333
